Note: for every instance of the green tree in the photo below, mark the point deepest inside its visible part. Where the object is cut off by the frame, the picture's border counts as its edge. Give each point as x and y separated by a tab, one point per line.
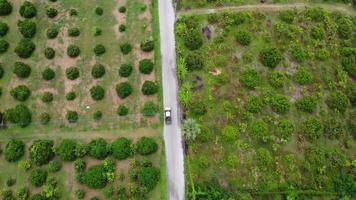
191	129
14	150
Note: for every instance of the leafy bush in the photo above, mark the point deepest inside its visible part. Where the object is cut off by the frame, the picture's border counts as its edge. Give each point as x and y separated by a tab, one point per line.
73	51
66	150
48	74
25	48
52	32
79	165
149	109
287	16
125	70
22	70
73	12
148	177
302	76
317	33
70	96
49	53
99	149
344	27
317	14
19	114
306	104
285	129
122	110
255	104
4	46
38	177
52	12
4	28
73	32
27	28
276	79
98	71
47	97
258	129
124	90
194	61
95	177
146	146
54	166
122	9
41	151
337	101
99	49
22	194
28	10
322	54
297	52
243	37
250	78
121	148
97	92
334	127
14	150
81	150
193	39
72	73
97	115
126	48
270	57
280	103
264	159
147	45
149	88
45	118
146	66
312	128
5	8
72	116
99	11
122	28
20	93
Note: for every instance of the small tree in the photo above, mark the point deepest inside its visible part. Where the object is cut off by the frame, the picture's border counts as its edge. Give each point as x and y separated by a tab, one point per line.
25	48
270	57
148	177
41	151
99	149
73	32
250	78
149	109
49	53
122	110
146	66
47	97
4	28
123	90
20	114
45	118
48	74
14	150
72	116
98	71
5	8
95	177
147	45
27	28
70	96
4	46
38	177
243	37
52	32
276	79
306	104
73	51
54	166
312	129
126	48
122	148
191	129
280	104
125	70
22	70
72	73
28	10
97	92
149	88
146	146
338	101
99	49
66	150
20	93
194	61
302	76
52	12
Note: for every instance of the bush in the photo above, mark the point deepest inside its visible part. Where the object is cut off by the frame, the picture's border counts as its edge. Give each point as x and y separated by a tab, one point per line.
48	74
79	165
122	110
72	73
25	48
22	194
149	109
124	90
99	49
14	150
258	129
302	76
28	10
47	97
97	115
126	48
1	71
122	28
72	116
337	101
146	146
276	79
98	71
149	88
99	11
264	159
194	61
41	152
122	9
270	57
255	104
20	114
317	33
312	129
54	166
285	129
344	27
125	70
99	149
5	8
20	93
250	78
66	150
49	53
280	104
306	104
122	148
52	32
80	194
243	37
45	118
334	127
297	52
287	16
81	150
146	66
73	32
193	39
4	46
95	177
97	93
52	12
322	54
38	177
147	45
10	182
22	70
108	192
73	12
70	96
148	177
96	31
4	28
73	51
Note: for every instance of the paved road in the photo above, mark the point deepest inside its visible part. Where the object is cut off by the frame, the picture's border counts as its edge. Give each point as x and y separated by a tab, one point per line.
172	133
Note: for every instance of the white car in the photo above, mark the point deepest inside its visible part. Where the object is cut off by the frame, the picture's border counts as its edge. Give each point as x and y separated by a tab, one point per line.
168	115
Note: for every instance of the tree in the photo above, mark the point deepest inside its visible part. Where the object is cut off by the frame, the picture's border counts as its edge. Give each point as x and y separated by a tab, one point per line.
125	70
302	76
73	51
99	49
99	149
146	66
258	129
52	32
254	104
191	129
49	53
5	8
54	166
312	128
38	177
95	177
47	97
97	92
146	146
4	46
72	116
126	48
66	150
148	177
338	101
122	148
14	150
270	57
122	110
28	10
98	71
149	109
20	93
20	114
280	104
4	28
25	48
264	159
27	28
194	61
48	74
123	90
72	73
22	70
243	37
52	12
73	32
147	45
149	88
306	104
41	151
250	78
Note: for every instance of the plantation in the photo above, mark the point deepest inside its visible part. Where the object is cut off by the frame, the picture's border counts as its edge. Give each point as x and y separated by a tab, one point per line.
269	104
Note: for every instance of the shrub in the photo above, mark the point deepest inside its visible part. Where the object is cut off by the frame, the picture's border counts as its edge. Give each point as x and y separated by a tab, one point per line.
146	146
20	114
95	177
97	93
122	9
22	194
125	70
285	129
255	104
126	48
344	27
10	182
149	109
280	104
25	48
7	195
1	71
194	61
124	90
337	101
14	150
41	152
4	28
20	93
302	76
52	32
317	33
38	177
52	12
122	28
243	37
49	53
122	110
81	150
73	51
99	11
121	148
148	177
45	118
66	150
4	46
48	74
193	39
47	97
98	115
54	166
147	45
270	57
250	78
73	32
28	10
258	129
297	52
96	31
72	116
99	49
5	8
306	104
276	79
80	194
322	54
146	66
73	12
334	127
312	129
149	88
99	149
264	159
70	96
22	70
287	16
72	73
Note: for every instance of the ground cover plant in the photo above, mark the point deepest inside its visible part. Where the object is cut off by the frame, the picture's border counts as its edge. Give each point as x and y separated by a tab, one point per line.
268	100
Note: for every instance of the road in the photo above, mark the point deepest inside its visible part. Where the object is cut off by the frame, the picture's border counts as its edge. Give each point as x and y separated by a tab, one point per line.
172	133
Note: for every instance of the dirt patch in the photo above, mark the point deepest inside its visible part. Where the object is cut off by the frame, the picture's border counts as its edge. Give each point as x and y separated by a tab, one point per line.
297	93
120	17
215	71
